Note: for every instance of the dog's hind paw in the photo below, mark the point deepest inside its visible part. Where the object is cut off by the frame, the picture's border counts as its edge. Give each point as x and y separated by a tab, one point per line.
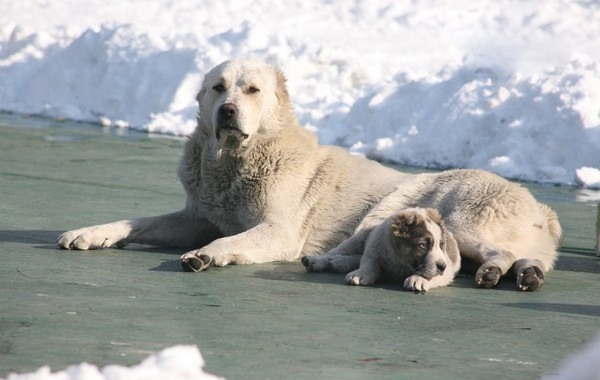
488	276
530	279
195	263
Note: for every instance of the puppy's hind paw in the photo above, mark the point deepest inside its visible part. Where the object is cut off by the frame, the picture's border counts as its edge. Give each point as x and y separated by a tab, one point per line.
316	263
195	263
530	279
309	263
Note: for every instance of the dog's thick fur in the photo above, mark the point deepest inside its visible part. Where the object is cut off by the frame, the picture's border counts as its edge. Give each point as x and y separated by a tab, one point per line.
260	188
412	246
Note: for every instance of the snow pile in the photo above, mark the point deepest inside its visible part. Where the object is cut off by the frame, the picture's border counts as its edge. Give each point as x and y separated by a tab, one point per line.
508	86
521	127
174	363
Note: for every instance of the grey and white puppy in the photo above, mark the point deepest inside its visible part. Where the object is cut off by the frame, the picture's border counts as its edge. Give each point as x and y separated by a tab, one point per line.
412	246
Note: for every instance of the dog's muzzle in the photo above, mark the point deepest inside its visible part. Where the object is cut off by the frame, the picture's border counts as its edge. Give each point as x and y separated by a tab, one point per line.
228	123
430	271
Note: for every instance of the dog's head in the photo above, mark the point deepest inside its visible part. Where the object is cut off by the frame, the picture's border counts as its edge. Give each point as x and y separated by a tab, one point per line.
421	241
240	98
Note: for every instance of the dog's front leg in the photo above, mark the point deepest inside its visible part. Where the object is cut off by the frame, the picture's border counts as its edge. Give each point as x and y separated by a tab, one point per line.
263	243
178	229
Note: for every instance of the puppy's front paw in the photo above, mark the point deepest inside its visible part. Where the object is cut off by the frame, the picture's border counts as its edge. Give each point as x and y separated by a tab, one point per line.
358	277
195	261
416	283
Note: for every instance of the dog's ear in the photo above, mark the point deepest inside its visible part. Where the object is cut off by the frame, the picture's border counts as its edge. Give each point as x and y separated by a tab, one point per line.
203	89
201	94
281	89
402	223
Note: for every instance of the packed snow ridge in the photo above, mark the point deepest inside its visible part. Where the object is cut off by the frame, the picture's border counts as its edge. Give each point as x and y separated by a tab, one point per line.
508	86
173	363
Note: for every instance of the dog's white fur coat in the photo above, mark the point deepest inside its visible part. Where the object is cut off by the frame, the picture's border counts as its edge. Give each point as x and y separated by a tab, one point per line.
260	188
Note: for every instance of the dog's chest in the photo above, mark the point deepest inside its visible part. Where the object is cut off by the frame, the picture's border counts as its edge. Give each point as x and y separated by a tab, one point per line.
233	196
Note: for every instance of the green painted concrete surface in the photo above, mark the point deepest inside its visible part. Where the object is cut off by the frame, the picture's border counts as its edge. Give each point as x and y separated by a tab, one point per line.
268	321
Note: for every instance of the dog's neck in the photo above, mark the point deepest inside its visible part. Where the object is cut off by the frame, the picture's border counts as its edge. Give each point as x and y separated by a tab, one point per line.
235	152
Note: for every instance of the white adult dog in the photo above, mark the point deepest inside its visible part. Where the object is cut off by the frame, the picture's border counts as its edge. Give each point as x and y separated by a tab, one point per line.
260	188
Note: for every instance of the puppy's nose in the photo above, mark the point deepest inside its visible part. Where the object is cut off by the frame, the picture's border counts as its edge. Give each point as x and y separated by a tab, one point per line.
441	266
228	110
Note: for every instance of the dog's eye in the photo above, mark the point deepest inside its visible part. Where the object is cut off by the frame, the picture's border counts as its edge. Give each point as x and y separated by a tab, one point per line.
424	244
219	88
253	90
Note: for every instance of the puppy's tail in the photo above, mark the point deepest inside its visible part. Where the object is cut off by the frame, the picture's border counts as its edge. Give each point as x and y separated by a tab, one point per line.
553	225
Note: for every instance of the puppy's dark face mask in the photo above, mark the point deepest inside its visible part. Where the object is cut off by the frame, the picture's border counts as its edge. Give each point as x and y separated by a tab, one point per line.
419	240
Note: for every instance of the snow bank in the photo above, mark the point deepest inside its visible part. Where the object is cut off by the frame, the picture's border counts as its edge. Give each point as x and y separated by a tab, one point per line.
174	363
508	86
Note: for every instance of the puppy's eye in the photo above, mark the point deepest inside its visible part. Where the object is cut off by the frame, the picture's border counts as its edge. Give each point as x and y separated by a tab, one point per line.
423	244
219	88
253	90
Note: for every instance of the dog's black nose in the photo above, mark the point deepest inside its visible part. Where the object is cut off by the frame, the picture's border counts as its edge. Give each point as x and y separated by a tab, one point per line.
441	266
228	110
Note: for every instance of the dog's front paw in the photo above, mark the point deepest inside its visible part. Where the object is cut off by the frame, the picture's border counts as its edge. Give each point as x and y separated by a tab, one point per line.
530	279
94	237
358	277
195	261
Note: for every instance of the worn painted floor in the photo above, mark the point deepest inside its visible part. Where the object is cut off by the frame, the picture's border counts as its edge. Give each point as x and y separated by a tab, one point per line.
271	321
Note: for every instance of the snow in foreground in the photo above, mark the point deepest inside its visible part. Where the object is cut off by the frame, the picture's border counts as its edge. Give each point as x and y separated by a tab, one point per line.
186	362
174	363
510	86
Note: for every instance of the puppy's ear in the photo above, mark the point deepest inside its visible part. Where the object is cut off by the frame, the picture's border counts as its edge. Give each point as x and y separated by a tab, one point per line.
402	223
434	215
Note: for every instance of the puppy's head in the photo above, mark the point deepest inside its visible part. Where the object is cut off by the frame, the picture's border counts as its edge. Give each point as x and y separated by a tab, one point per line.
421	242
240	98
